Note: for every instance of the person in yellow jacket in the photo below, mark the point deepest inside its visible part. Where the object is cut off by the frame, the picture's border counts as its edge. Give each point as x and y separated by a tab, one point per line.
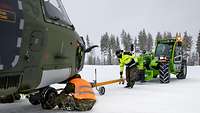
77	95
127	59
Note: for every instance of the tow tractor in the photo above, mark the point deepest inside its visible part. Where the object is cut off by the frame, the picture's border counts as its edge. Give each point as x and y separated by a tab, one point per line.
169	58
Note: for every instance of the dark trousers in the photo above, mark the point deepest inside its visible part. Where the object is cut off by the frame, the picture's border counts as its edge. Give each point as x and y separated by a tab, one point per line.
131	74
69	103
142	75
84	105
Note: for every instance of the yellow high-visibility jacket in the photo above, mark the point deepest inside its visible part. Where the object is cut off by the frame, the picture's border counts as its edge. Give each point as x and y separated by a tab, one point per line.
126	58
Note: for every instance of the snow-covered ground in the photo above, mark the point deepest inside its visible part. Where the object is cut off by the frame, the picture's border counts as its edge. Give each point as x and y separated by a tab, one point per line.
179	96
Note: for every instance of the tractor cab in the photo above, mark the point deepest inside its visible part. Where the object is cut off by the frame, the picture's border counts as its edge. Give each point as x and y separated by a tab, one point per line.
170	50
163	50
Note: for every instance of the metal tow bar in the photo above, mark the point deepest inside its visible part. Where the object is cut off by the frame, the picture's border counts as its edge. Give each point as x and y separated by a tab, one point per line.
101	90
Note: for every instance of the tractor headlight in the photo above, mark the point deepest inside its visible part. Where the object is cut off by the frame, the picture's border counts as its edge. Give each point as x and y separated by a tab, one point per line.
179	39
163	58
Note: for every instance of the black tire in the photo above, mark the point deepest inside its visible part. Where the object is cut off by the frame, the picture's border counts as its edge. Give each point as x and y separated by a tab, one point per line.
34	99
183	73
164	73
17	96
48	98
101	90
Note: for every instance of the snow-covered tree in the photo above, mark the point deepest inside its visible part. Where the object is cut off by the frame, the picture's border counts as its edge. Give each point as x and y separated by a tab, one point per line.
149	42
126	40
142	40
187	42
158	37
198	46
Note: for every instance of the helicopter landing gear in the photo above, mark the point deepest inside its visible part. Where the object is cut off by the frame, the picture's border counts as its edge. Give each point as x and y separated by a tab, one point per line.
49	95
46	97
34	99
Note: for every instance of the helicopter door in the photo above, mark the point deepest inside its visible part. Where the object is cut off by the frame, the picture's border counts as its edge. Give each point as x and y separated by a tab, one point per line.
11	26
178	57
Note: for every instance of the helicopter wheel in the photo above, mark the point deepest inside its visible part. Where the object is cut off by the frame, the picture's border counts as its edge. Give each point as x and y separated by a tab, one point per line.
49	95
34	99
17	96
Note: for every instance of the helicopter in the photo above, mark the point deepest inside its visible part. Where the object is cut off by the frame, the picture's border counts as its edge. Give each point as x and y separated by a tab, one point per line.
38	47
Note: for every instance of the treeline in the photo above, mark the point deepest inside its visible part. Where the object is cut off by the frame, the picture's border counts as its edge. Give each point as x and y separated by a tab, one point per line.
109	43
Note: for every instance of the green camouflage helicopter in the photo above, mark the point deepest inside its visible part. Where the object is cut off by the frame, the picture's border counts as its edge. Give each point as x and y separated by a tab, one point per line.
38	47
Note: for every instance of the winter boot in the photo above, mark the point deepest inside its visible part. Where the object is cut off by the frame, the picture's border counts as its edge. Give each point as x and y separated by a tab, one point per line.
132	83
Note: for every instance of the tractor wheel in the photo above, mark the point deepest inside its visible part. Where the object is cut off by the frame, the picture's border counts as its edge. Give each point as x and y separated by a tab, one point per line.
164	73
49	95
183	73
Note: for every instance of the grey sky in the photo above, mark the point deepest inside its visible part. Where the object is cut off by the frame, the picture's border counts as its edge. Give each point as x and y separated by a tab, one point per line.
95	17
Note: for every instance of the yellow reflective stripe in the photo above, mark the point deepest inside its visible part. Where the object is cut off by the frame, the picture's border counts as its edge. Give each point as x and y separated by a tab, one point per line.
87	89
86	92
84	86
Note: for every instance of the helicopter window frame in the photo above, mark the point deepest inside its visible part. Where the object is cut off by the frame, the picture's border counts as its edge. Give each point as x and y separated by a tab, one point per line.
64	22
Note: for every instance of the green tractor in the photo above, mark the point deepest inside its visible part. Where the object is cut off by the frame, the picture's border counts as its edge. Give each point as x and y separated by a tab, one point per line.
167	59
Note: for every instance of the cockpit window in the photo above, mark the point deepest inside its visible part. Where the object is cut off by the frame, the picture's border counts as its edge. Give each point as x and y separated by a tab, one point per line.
55	12
163	50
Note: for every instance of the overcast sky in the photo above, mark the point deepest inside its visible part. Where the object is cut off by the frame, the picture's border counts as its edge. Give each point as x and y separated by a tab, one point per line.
95	17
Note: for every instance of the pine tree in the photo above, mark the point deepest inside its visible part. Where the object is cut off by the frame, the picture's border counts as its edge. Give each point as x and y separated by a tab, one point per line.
165	35
87	41
198	46
89	56
117	48
114	47
135	44
97	61
169	35
112	43
109	61
90	60
187	42
149	42
158	37
104	45
117	44
126	40
142	40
